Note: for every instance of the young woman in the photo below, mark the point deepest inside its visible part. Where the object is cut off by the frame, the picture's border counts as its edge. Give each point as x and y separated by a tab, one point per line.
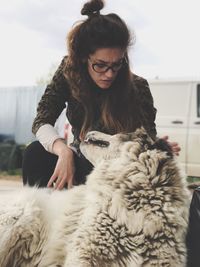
102	94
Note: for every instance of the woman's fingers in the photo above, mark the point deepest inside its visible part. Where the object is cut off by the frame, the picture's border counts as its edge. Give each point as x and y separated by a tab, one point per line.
174	145
70	183
52	179
165	137
60	183
64	170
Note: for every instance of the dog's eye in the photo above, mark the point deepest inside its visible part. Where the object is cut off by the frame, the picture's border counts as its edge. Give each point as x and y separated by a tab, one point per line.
96	142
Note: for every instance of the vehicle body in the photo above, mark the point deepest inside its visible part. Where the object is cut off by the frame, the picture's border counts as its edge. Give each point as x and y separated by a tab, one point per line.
178	116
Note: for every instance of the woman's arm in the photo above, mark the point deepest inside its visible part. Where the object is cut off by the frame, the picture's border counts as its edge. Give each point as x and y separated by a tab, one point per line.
147	104
150	111
49	108
53	100
64	170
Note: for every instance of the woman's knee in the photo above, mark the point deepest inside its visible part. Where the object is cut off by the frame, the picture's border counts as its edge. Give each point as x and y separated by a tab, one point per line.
34	149
38	164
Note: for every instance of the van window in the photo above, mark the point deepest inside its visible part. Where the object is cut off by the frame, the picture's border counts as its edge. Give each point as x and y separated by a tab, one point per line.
198	100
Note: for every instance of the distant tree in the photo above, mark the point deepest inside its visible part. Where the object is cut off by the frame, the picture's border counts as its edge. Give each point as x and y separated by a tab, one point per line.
46	78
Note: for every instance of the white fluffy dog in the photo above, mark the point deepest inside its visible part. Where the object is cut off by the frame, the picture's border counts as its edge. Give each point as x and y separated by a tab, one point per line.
132	211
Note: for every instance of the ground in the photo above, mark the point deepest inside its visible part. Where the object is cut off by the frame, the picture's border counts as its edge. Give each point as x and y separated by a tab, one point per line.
16	179
10	180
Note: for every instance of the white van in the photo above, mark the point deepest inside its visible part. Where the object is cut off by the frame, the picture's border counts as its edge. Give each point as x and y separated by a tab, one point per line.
178	116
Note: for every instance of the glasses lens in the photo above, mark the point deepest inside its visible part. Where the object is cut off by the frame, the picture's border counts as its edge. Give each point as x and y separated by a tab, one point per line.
100	67
117	66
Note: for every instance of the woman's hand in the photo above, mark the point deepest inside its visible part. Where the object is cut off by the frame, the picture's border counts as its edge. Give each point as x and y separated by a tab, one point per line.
64	170
174	145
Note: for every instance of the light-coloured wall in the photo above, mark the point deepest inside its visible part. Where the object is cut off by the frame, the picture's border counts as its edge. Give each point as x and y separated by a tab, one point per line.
17	111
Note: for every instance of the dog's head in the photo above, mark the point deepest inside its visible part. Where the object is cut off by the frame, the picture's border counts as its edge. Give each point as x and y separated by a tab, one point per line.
97	145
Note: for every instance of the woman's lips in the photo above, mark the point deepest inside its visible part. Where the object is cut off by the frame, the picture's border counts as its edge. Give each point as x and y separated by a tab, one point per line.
106	81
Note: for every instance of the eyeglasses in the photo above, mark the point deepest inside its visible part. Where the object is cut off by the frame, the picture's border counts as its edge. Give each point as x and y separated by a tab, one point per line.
103	67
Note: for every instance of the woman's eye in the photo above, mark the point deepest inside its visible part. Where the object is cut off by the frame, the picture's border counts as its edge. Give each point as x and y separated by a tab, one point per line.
101	66
118	64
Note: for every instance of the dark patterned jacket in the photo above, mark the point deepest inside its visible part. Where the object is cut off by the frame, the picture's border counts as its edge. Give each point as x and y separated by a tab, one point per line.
58	93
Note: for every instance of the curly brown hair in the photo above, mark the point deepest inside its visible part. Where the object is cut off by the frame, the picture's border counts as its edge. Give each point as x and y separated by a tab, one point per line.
101	31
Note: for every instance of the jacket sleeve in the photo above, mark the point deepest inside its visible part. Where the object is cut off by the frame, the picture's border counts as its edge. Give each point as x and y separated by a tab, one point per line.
147	105
53	100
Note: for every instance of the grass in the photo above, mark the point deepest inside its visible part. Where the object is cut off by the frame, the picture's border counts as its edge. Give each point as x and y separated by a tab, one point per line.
13	172
192	179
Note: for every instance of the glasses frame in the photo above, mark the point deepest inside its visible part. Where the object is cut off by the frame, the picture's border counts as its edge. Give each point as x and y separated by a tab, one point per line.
123	62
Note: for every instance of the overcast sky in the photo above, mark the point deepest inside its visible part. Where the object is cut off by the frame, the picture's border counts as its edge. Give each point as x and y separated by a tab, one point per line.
33	36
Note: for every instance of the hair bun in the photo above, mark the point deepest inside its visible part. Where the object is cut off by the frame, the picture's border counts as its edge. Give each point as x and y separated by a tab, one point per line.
92	7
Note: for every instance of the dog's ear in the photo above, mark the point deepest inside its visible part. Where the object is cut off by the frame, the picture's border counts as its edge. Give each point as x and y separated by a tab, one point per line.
139	133
162	145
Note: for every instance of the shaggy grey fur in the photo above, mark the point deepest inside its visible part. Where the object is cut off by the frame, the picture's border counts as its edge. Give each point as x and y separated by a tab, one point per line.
132	212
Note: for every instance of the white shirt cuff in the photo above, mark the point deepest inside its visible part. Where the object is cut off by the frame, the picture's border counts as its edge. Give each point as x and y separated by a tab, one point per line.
47	135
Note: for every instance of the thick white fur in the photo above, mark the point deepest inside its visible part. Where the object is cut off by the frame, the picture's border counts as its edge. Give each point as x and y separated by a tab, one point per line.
132	212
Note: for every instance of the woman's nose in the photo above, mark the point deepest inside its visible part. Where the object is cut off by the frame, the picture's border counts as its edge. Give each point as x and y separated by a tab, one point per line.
109	73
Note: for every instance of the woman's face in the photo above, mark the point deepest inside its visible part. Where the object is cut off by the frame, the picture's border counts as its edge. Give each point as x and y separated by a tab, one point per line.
104	64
